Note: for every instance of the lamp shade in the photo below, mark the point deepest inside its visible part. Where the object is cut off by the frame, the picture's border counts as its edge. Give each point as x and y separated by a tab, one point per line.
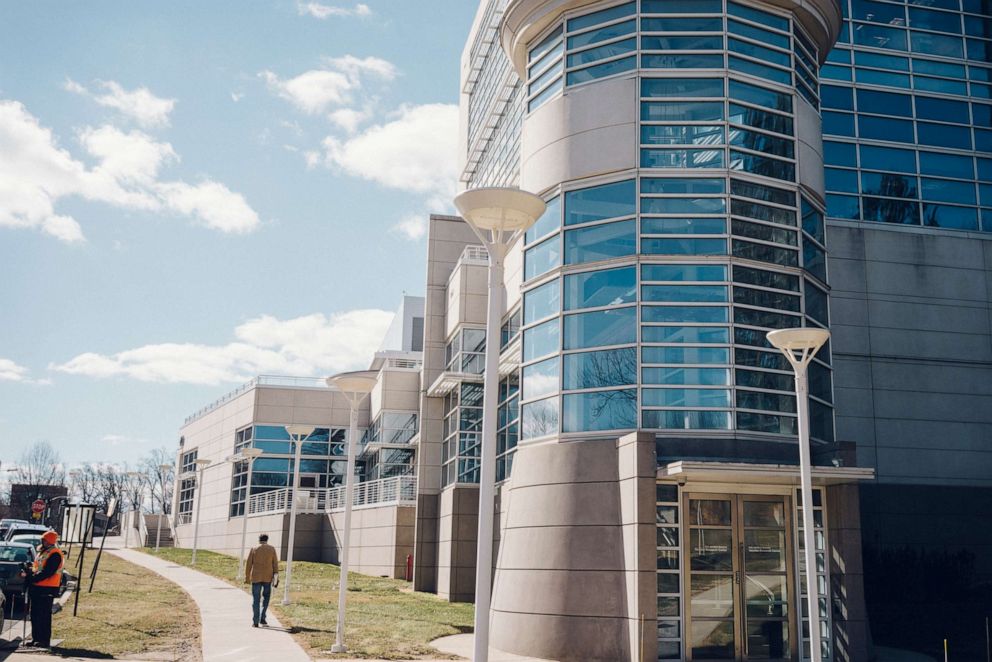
499	209
300	431
202	462
358	383
798	340
251	452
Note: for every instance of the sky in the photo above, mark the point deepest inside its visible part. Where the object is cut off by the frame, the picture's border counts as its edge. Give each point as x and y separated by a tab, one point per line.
194	193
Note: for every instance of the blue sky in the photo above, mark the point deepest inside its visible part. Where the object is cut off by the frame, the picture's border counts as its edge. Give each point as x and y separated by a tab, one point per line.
192	193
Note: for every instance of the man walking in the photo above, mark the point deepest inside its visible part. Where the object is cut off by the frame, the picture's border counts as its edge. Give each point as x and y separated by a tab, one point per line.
44	579
261	570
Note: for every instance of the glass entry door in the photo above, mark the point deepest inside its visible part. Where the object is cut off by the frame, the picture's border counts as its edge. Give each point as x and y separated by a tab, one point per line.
738	577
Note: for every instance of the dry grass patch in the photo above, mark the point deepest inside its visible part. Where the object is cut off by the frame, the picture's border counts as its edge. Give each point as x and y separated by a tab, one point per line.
385	619
131	611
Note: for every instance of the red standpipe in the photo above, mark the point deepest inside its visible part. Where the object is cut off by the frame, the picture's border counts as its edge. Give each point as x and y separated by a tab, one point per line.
409	567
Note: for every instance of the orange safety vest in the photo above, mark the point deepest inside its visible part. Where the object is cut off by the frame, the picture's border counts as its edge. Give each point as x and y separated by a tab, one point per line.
39	564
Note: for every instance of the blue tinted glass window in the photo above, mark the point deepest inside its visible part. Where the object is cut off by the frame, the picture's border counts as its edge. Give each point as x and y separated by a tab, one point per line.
927	19
878	12
682	61
946	165
759	52
549	221
682	135
839	56
946	190
882	210
681	158
813	222
885	103
981	114
983	140
683	226
604	327
684	246
943	85
602	16
682	87
884	128
540	378
681	111
602	52
843	206
892	62
701	376
762	278
816	303
685	314
758	34
685	334
542	258
600	202
539	100
539	418
685	397
761	142
762	192
540	340
942	110
763	232
541	302
841	154
603	410
760	70
845	181
879	37
683	272
602	34
601	70
888	158
760	119
872	77
833	72
678	355
685	420
946	216
600	288
758	16
600	242
943	135
936	44
610	367
888	184
765	318
765	299
681	7
695	24
761	165
984	170
683	185
765	253
683	43
683	205
684	293
760	96
833	96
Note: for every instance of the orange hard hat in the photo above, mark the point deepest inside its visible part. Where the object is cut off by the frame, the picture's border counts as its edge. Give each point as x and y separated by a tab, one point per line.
49	537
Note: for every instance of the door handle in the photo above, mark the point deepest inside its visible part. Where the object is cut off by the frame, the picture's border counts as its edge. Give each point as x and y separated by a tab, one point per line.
737	577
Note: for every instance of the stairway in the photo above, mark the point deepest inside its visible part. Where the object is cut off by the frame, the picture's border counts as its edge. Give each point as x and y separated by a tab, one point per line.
151	531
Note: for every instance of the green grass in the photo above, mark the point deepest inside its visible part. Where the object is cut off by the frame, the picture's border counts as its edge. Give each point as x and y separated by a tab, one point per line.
130	611
385	619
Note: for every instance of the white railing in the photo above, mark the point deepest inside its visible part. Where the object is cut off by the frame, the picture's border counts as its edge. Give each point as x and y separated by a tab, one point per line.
404	364
184	518
396	490
474	253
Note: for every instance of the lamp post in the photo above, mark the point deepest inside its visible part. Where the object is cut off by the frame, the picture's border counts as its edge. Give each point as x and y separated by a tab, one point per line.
498	216
249	454
799	347
297	433
354	386
132	476
201	464
164	468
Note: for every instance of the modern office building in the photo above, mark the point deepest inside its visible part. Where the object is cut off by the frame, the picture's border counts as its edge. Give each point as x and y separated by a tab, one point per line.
647	431
257	415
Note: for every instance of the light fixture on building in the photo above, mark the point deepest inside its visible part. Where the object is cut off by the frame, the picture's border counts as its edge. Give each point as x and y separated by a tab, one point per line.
799	347
498	216
297	433
201	464
354	386
247	455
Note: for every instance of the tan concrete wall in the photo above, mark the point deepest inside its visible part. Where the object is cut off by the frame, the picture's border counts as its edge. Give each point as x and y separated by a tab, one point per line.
457	534
381	540
224	536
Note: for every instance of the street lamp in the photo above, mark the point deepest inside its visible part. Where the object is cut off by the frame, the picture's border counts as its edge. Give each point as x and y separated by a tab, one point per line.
354	386
164	468
132	475
201	464
298	433
498	216
799	347
249	454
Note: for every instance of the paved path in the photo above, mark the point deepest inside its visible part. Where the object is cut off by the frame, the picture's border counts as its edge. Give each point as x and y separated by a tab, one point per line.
225	612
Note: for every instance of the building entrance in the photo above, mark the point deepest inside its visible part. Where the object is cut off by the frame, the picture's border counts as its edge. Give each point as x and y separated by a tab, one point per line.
739	577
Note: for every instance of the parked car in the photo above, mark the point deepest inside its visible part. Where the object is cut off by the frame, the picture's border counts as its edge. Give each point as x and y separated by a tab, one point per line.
5	525
13	555
31	529
29	538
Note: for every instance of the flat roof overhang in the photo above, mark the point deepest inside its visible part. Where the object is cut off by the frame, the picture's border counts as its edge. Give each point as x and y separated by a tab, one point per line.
765	474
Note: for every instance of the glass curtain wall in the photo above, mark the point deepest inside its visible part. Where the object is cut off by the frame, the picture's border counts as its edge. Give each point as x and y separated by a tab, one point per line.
907	114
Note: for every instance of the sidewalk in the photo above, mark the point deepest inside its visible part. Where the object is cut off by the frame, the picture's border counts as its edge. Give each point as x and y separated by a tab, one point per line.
225	612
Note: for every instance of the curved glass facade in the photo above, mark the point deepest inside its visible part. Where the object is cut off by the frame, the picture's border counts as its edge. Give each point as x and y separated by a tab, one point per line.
648	293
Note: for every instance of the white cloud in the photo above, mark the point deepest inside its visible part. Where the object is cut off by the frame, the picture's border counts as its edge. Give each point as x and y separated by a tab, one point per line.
121	440
415	152
412	226
11	372
309	345
332	87
321	11
356	67
138	104
36	173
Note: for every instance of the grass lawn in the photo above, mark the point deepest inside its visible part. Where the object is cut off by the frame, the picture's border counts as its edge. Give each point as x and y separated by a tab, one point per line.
130	611
385	618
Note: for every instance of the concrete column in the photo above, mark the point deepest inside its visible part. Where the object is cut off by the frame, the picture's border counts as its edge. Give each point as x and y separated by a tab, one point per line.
852	638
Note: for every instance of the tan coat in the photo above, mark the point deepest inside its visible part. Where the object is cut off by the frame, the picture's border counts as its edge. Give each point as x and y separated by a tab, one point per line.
261	564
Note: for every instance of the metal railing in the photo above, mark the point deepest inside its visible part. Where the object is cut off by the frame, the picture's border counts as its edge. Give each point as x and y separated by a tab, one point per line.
474	253
261	380
404	364
184	518
396	490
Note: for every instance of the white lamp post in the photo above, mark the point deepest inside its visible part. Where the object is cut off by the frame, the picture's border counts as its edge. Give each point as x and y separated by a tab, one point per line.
201	464
355	386
158	533
799	347
298	433
249	454
499	216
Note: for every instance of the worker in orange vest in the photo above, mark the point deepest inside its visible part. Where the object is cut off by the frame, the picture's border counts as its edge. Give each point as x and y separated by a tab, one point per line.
44	578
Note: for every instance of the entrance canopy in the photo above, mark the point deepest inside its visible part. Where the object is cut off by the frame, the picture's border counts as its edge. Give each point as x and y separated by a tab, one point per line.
766	474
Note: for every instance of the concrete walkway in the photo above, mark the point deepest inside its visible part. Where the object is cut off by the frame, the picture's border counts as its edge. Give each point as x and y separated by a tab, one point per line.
463	645
225	612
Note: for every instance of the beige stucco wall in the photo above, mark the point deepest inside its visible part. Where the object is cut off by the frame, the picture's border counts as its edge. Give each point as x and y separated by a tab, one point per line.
382	538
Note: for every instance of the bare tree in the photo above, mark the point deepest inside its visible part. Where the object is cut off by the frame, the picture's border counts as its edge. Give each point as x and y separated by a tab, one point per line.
40	465
160	481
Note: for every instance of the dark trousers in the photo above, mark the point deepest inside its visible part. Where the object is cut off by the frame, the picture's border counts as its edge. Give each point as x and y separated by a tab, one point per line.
41	616
260	592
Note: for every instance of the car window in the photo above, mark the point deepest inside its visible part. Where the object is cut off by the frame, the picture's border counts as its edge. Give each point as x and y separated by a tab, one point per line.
15	554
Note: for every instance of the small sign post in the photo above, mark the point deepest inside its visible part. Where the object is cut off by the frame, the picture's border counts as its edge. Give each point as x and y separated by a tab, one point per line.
38	508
